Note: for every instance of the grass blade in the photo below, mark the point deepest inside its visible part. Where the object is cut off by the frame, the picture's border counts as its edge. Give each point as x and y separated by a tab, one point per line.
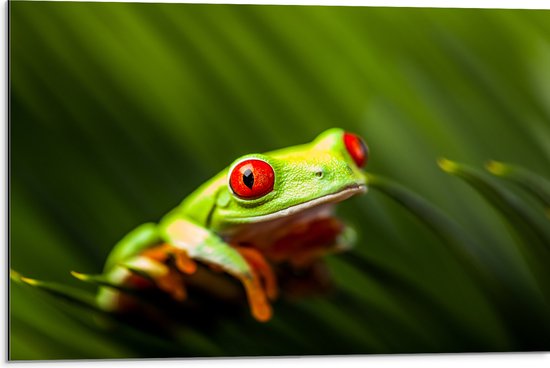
68	293
466	251
442	225
538	186
527	223
531	229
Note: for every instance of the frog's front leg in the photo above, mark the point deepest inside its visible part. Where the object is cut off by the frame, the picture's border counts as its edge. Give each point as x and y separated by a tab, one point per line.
146	269
193	241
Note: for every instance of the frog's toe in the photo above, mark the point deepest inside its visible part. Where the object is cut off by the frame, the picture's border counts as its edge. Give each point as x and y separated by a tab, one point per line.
259	305
172	283
184	263
164	277
163	252
257	261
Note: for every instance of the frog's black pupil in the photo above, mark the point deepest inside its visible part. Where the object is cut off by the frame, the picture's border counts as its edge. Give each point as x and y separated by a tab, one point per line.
248	178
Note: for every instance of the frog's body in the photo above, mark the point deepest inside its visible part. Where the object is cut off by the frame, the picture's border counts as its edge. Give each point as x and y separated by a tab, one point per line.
262	210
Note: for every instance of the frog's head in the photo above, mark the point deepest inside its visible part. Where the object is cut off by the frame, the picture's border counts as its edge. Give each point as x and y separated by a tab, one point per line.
279	184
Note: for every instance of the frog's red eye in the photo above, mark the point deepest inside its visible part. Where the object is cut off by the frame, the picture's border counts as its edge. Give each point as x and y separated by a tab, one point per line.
252	179
357	148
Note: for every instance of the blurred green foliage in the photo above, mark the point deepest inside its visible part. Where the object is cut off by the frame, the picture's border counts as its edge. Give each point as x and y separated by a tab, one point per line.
118	111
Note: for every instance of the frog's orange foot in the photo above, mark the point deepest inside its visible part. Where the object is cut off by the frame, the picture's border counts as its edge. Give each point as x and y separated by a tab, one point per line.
262	268
259	305
162	252
172	283
153	263
183	262
260	284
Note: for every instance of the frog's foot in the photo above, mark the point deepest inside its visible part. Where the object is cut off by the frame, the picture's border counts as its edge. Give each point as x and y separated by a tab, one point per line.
169	279
163	252
251	279
262	268
163	276
249	268
259	305
172	283
161	266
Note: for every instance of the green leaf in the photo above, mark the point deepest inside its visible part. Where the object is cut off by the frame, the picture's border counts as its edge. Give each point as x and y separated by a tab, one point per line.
535	184
466	250
530	226
458	240
65	292
525	220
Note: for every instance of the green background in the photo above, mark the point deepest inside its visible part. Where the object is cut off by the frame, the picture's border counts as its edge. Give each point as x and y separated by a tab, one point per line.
118	111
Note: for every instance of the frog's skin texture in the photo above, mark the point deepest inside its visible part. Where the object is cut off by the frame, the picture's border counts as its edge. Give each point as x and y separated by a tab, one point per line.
245	224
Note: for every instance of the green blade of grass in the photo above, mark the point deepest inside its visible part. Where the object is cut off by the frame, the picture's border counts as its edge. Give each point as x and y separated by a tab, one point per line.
530	228
68	293
442	225
524	220
99	280
534	184
467	252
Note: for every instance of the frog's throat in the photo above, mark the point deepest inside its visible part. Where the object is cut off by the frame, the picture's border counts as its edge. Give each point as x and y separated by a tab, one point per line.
329	198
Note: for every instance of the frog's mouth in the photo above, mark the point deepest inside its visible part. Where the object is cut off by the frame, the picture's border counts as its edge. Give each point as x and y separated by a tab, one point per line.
304	226
329	198
321	207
